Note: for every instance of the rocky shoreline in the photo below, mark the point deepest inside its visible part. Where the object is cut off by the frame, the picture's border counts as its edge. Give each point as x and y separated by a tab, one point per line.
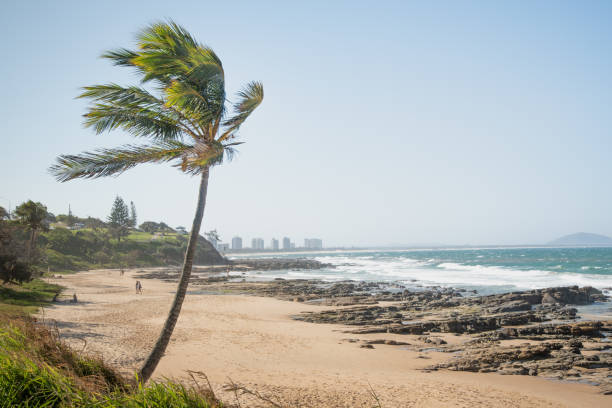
217	273
536	332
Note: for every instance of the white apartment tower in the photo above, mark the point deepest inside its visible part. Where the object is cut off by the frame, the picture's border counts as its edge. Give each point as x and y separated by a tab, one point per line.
286	243
236	243
313	243
274	244
257	243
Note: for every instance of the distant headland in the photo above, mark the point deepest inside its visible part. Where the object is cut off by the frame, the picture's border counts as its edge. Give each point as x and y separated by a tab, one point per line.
583	238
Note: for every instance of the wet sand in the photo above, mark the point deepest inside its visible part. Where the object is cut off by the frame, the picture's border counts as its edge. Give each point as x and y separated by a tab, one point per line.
254	342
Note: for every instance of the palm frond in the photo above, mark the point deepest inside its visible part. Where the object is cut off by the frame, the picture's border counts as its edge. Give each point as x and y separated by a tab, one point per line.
166	35
137	120
121	57
182	96
169	52
248	100
108	162
135	98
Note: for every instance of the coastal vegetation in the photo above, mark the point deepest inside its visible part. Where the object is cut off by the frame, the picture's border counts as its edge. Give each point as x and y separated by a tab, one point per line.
186	122
119	220
68	243
33	216
26	298
38	370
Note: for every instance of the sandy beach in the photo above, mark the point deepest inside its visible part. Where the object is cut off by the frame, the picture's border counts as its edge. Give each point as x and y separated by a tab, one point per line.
254	342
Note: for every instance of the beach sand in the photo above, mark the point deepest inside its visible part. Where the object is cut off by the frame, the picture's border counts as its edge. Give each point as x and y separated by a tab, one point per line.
254	342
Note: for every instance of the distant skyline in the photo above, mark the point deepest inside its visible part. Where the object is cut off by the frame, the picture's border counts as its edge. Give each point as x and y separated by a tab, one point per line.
388	123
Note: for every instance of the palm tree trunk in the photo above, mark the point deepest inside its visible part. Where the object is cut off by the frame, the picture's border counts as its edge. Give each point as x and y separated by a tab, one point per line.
162	342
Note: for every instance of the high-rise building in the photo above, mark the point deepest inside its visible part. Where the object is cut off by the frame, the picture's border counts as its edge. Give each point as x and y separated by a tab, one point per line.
274	244
286	243
236	243
313	243
223	247
257	243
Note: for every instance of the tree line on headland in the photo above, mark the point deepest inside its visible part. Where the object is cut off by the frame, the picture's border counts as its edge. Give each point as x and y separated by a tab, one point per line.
33	240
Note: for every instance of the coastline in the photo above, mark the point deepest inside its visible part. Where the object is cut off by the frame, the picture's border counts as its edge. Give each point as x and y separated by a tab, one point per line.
254	341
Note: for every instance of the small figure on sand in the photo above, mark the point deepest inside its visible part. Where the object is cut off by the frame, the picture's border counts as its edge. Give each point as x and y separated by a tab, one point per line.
55	297
138	288
121	272
74	298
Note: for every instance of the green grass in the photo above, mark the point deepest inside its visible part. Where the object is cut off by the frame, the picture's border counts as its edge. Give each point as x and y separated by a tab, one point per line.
139	236
28	297
38	370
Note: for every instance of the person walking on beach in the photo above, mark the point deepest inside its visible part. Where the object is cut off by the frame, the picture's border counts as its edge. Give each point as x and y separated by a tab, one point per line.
138	288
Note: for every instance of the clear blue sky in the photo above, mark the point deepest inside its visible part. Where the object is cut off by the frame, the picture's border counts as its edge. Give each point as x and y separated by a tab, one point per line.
383	122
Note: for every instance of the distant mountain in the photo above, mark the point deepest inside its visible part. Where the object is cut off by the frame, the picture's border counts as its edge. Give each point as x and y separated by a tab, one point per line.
583	238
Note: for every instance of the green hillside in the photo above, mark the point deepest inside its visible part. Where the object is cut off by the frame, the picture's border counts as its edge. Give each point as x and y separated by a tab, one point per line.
67	250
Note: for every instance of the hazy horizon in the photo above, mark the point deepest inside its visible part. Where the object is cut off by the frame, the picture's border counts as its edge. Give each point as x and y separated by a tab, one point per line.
397	123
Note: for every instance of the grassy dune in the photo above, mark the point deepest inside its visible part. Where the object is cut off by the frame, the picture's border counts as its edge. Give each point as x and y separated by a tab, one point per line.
38	370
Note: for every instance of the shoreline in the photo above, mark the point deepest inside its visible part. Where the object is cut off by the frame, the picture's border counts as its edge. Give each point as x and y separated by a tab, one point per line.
254	341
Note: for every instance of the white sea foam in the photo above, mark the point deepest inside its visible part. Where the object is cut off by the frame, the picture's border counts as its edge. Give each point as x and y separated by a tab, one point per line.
428	272
456	274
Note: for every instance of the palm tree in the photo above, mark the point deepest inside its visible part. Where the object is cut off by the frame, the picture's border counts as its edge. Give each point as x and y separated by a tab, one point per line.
34	216
184	117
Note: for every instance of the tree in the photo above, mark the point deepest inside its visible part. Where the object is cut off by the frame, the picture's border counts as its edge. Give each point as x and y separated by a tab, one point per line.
70	220
12	267
3	214
132	215
184	117
94	223
34	216
119	219
50	218
62	240
14	270
163	228
213	237
149	226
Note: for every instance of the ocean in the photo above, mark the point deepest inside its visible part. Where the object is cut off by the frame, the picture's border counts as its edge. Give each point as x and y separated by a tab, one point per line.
487	270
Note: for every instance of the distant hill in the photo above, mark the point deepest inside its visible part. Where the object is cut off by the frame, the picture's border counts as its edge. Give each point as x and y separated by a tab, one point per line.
583	238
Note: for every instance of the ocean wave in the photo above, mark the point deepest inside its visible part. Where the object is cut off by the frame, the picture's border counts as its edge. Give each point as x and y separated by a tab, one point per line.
464	275
442	270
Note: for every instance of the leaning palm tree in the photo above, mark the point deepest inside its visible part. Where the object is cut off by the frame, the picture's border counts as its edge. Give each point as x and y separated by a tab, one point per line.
183	115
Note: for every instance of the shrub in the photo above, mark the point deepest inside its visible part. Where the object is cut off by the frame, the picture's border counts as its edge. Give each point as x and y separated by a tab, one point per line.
170	252
59	261
101	257
14	270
